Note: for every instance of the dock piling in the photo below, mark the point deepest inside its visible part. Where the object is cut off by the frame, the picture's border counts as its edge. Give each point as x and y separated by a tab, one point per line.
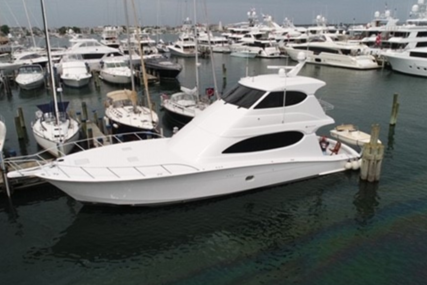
19	130
394	110
372	157
84	111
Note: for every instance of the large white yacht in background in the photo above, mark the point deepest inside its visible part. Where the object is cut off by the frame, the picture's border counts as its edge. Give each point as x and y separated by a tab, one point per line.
92	51
110	37
325	51
262	132
411	61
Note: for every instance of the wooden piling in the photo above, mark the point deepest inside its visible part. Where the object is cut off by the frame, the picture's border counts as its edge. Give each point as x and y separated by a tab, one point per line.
95	117
19	129
21	117
224	72
84	111
96	79
84	128
101	124
90	138
79	116
372	157
394	110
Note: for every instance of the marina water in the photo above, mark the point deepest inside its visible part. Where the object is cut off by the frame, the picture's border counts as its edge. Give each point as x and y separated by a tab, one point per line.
328	230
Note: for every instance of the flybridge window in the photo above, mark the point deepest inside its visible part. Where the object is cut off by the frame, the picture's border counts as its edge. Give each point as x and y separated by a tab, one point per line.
266	142
275	99
243	96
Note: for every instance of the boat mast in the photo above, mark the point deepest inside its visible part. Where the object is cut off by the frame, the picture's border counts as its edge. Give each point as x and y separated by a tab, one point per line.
29	24
211	53
49	56
129	47
144	74
197	49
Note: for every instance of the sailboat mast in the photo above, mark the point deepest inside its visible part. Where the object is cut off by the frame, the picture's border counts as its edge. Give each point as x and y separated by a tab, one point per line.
144	74
49	56
197	48
29	23
129	46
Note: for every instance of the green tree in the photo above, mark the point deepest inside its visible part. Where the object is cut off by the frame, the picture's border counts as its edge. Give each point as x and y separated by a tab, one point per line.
5	29
77	30
62	30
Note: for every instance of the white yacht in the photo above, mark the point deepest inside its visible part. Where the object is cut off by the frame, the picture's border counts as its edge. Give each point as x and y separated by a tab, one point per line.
411	61
258	48
184	46
92	51
140	40
125	115
261	133
115	70
20	58
30	76
339	54
73	71
110	37
219	44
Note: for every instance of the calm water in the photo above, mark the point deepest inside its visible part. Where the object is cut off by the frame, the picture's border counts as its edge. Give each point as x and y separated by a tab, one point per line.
328	230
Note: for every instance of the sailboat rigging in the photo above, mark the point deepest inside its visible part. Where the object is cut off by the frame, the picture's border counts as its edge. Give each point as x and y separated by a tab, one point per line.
139	118
53	129
183	106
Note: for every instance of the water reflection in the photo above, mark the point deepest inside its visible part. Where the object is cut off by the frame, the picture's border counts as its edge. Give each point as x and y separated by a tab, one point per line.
366	201
254	220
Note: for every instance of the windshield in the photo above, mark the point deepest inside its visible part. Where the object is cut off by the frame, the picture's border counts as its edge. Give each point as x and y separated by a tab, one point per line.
243	96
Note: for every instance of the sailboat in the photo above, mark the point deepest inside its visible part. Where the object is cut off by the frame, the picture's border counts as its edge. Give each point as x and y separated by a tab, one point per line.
182	107
122	110
53	129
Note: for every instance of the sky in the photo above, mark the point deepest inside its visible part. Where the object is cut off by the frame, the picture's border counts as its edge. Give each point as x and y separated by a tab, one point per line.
91	13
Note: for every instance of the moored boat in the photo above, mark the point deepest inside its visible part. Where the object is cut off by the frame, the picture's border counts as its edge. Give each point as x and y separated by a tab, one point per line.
262	132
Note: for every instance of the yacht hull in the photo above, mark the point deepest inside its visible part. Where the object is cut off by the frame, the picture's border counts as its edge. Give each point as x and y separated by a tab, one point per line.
195	186
413	66
76	83
115	78
362	62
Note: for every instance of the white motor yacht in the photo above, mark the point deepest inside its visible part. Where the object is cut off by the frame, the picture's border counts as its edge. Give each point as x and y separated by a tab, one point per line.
110	37
30	76
261	133
325	51
115	70
412	61
73	71
92	51
184	46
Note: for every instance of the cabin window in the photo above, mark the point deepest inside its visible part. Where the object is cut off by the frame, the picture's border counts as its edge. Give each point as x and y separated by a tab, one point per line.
275	99
421	34
418	54
266	142
243	96
421	44
92	56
